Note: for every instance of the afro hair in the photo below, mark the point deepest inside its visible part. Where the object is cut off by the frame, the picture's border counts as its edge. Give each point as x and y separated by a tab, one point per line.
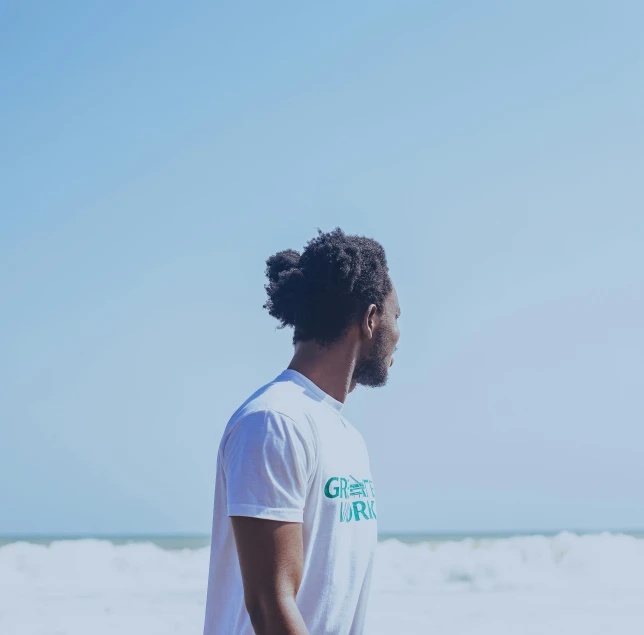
321	292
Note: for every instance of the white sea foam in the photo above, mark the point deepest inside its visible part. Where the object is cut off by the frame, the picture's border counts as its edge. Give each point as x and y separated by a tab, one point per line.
564	585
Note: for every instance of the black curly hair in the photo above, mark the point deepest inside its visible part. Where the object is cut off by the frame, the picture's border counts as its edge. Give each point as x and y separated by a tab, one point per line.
321	292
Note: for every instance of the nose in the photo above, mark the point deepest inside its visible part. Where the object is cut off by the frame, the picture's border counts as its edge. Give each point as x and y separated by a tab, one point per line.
391	362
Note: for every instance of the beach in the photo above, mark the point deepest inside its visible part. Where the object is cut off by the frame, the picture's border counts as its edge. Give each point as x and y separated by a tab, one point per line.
561	585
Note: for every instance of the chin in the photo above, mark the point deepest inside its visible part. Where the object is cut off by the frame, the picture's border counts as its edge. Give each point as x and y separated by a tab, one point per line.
375	381
372	373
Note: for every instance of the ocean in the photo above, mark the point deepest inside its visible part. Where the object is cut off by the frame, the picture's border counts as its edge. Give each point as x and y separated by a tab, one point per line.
560	584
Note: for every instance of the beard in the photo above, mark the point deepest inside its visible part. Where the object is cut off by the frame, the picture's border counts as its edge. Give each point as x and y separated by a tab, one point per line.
373	370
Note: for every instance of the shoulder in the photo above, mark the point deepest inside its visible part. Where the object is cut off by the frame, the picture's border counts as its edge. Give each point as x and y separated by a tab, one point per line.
279	398
262	435
278	409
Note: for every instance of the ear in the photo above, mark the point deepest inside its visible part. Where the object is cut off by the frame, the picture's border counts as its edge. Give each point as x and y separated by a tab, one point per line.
369	321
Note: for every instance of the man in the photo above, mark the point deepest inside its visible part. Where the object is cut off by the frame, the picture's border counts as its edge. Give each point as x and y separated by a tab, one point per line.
294	527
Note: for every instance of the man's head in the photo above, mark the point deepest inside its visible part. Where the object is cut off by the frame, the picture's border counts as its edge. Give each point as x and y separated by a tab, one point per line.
338	293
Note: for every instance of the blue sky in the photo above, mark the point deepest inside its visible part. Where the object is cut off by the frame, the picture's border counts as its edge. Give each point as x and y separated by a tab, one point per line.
153	156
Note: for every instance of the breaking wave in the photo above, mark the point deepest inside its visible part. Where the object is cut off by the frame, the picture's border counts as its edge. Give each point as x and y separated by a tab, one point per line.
78	586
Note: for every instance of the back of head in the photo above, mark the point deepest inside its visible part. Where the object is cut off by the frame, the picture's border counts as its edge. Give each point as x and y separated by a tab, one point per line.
321	292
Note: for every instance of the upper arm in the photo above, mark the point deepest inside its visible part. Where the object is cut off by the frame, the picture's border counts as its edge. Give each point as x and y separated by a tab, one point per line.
271	556
271	560
268	460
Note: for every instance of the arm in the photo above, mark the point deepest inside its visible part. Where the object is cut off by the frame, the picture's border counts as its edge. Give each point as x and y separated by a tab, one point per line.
271	559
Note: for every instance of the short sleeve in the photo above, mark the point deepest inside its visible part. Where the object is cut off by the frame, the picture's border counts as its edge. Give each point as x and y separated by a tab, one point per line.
267	460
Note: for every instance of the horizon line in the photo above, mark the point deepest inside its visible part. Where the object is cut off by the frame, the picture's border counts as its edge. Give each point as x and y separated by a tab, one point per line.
407	533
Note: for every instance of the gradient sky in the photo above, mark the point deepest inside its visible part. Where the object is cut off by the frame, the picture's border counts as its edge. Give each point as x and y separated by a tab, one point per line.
154	154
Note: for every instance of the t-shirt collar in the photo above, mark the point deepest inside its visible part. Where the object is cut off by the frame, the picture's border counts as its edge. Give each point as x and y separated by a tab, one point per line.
292	375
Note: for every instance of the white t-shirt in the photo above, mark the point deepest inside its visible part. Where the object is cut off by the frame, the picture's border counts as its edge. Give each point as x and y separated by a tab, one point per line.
288	454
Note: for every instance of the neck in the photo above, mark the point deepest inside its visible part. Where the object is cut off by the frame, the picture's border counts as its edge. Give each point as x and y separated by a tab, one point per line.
330	368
